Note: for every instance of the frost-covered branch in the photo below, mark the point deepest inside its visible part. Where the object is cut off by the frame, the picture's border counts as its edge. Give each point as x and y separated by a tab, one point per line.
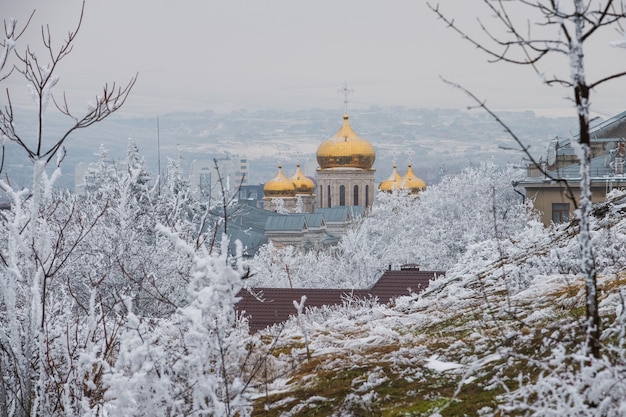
529	41
525	149
573	24
11	35
41	78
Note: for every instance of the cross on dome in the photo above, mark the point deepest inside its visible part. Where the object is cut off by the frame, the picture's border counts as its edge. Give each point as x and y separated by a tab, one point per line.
394	155
346	92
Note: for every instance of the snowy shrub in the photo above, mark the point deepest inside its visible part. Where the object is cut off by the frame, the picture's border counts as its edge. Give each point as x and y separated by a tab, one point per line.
574	384
191	362
434	229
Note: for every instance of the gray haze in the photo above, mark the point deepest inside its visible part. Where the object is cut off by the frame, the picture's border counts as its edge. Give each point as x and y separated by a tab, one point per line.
194	55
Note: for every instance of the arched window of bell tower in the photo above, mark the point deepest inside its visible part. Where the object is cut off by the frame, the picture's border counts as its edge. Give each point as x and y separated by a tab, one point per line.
342	195
329	196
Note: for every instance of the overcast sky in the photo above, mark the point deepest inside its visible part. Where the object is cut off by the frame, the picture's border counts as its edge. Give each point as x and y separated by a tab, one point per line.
287	54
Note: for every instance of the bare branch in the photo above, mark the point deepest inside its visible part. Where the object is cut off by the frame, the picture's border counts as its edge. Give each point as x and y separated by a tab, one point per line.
481	104
111	100
576	22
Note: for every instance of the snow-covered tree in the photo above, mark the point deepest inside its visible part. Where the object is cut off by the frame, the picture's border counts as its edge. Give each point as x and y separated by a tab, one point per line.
561	29
299	205
433	229
279	206
100	175
41	341
192	362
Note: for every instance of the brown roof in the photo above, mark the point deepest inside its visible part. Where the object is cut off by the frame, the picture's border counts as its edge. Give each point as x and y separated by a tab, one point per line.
275	305
394	283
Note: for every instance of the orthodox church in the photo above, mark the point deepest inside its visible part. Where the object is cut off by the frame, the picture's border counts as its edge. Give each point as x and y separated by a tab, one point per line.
345	177
315	214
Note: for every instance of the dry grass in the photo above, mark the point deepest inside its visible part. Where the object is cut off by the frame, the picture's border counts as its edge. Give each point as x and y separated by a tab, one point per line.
335	384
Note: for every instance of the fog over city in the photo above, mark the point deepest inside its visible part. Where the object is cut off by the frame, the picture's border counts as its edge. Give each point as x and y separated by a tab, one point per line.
195	55
262	80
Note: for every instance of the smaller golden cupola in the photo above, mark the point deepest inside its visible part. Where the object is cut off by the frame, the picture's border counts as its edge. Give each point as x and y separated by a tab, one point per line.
412	183
279	186
394	182
303	184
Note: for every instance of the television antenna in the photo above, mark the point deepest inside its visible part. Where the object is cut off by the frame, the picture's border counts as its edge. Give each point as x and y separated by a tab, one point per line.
552	147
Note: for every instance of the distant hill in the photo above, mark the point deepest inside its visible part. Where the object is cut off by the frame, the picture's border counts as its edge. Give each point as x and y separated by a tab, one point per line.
435	140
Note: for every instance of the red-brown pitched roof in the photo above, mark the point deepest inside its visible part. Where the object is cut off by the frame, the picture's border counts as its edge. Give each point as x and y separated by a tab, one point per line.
394	283
275	305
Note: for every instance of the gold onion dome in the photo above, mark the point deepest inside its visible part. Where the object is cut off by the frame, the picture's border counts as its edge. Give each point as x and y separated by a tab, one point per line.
303	184
279	186
411	182
346	150
392	183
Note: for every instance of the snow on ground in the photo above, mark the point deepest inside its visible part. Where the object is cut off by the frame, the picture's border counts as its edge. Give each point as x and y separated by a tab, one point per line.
474	325
440	366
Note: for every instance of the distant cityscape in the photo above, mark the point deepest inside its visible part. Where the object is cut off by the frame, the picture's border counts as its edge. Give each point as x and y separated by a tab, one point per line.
435	141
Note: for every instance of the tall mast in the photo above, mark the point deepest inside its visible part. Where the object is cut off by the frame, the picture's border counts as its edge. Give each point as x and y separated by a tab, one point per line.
159	154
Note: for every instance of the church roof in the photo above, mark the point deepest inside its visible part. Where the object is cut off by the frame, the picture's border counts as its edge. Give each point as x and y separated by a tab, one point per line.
302	183
250	239
411	182
408	181
246	223
286	222
392	183
346	149
279	186
335	214
314	220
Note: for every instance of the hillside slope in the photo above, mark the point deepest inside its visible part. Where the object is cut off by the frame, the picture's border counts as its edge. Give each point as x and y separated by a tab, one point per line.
500	334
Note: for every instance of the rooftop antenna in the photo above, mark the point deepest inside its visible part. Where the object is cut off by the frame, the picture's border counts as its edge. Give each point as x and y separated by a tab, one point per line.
346	92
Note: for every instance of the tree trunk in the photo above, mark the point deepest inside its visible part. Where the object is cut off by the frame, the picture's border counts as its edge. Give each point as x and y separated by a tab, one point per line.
581	93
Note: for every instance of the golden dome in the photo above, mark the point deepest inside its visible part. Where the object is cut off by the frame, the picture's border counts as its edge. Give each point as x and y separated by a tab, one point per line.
279	186
303	184
411	182
346	149
392	183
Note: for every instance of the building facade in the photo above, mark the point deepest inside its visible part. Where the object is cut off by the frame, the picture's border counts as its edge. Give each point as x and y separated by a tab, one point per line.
345	176
556	195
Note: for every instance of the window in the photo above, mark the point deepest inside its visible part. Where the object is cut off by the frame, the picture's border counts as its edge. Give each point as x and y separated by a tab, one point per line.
356	195
560	212
342	195
328	196
367	196
321	200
